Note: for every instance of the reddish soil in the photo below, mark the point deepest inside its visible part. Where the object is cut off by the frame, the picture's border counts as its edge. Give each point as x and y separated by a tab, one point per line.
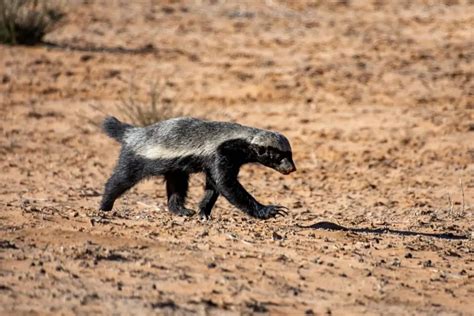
376	98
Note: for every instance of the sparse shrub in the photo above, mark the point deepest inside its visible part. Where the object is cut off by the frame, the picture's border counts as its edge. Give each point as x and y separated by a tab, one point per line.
156	109
27	21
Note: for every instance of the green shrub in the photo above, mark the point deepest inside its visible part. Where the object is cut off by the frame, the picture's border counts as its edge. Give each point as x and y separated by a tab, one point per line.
27	21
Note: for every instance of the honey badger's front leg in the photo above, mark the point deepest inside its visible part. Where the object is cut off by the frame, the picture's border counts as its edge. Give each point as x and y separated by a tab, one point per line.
224	175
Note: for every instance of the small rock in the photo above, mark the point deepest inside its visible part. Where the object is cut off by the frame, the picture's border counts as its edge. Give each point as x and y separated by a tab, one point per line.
5	79
277	236
212	265
427	264
86	57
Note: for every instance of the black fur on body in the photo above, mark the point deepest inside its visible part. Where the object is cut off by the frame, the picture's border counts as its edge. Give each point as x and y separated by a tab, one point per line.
178	147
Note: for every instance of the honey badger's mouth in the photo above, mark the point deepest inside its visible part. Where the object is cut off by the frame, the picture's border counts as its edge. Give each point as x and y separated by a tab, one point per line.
286	171
286	167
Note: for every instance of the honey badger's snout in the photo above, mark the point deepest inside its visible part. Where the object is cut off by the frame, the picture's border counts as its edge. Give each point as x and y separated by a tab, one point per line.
286	166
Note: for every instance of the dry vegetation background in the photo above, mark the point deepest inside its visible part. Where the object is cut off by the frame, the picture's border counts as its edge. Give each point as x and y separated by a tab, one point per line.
375	96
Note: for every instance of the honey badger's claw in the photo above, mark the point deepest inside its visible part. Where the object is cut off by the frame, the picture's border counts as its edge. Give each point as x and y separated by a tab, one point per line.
283	211
270	211
204	217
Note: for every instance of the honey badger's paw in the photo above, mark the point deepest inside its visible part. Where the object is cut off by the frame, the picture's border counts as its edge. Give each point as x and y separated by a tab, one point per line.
183	212
204	216
269	211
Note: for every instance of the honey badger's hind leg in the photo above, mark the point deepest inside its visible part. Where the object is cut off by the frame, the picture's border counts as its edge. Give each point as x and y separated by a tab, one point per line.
127	173
209	199
177	190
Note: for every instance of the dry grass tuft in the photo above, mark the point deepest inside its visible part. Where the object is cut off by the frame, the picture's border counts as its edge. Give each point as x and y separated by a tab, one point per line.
156	109
27	21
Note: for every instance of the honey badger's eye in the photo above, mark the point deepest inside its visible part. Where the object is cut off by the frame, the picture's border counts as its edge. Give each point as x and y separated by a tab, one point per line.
261	151
276	156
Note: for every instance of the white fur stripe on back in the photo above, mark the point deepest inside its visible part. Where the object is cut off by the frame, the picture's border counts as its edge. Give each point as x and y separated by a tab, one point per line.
161	152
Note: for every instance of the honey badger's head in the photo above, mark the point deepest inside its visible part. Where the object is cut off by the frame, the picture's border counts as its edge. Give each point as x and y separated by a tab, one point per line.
273	150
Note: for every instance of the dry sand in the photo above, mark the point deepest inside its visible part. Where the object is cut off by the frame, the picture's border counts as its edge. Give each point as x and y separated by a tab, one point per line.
375	96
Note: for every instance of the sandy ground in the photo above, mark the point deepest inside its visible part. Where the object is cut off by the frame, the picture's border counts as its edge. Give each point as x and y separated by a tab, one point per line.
375	96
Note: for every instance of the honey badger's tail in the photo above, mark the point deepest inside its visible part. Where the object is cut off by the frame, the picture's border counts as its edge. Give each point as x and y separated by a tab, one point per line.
114	128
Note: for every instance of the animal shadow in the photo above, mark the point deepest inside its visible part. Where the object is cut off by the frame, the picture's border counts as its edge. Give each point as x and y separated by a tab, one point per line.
379	231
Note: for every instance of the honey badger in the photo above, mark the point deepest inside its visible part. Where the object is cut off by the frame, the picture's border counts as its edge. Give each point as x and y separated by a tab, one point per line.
178	147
